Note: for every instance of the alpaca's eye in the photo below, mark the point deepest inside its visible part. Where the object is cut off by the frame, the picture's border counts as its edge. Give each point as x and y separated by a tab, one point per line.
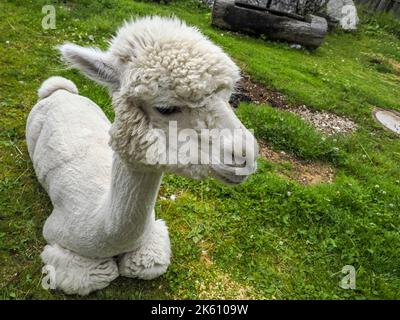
167	110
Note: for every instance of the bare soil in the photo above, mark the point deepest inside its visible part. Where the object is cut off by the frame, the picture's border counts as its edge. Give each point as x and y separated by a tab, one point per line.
304	172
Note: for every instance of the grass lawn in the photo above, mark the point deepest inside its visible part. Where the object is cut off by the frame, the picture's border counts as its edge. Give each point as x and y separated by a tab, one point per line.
271	237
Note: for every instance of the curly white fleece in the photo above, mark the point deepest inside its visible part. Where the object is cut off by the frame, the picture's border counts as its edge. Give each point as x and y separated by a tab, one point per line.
169	55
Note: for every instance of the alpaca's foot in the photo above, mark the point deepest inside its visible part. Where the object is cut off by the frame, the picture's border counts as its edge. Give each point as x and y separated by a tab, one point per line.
75	274
151	259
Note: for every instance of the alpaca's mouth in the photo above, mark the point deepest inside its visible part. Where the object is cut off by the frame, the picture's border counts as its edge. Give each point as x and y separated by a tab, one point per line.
227	175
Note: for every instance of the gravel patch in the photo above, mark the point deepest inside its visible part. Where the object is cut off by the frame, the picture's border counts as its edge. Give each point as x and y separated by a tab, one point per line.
251	91
326	122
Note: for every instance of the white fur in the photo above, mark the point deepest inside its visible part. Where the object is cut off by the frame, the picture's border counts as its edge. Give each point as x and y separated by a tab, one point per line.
104	196
76	274
53	84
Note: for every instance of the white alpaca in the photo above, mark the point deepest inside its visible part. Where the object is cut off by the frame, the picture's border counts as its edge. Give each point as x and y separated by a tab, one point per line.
103	178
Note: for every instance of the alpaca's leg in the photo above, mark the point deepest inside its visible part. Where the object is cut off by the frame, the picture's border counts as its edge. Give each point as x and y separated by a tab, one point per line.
152	258
75	274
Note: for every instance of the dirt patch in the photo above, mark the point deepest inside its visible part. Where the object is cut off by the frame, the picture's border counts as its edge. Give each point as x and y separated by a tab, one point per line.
222	286
383	64
395	65
252	91
249	90
304	172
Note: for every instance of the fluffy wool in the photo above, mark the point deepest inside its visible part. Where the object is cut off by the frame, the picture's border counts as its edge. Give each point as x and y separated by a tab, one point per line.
103	178
55	83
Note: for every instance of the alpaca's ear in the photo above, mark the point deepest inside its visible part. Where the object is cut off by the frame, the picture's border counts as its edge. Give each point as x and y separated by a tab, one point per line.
93	62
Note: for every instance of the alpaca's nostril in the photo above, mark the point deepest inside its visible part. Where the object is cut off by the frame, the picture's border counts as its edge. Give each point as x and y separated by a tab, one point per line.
243	164
238	161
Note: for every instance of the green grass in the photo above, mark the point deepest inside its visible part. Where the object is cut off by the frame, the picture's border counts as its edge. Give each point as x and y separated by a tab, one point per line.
268	238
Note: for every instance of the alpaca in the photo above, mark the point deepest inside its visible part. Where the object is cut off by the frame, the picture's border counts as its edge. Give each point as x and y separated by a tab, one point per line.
103	178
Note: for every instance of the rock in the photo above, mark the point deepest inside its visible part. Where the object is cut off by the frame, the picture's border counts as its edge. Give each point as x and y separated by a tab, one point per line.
208	3
300	7
306	7
284	5
242	16
343	11
296	46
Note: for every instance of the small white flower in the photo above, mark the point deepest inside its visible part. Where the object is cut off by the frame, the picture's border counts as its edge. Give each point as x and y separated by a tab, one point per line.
173	197
289	193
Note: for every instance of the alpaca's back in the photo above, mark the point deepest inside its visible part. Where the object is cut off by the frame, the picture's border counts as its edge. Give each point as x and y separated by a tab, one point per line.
67	138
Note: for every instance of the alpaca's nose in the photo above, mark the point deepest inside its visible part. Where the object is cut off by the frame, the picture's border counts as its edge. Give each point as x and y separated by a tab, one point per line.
243	147
245	152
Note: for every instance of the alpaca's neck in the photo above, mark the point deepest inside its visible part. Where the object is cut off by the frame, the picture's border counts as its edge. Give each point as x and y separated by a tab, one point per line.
129	208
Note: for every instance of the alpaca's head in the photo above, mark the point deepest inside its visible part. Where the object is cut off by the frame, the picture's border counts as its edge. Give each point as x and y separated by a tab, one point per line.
171	88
